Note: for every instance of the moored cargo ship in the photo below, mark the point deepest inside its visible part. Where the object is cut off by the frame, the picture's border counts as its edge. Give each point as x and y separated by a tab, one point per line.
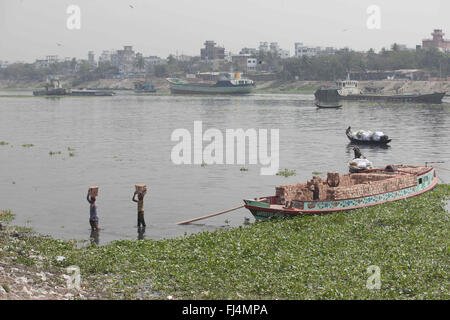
349	90
223	86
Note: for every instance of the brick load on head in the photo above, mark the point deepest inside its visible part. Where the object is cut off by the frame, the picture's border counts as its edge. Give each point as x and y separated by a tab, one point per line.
93	191
141	188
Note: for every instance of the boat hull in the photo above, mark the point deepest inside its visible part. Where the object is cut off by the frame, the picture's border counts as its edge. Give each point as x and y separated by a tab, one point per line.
321	106
209	90
51	92
262	210
332	95
86	93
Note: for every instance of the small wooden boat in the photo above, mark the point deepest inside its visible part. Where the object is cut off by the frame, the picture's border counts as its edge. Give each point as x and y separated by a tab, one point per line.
346	192
383	141
328	106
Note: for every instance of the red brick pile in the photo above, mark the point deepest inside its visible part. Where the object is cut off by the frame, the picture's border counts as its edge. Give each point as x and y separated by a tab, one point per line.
350	186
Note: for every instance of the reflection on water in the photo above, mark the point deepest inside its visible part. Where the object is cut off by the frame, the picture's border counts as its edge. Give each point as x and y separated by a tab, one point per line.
123	140
95	237
141	233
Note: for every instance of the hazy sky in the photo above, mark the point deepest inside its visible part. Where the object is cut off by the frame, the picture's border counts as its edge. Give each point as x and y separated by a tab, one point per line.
31	29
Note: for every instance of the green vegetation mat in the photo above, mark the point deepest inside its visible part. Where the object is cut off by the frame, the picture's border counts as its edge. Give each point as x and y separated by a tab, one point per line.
307	257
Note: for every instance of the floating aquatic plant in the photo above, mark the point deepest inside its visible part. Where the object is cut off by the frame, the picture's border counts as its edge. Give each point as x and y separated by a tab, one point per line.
28	145
3	143
244	169
54	152
71	154
286	173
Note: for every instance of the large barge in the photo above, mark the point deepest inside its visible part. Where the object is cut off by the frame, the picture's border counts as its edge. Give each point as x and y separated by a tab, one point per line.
54	88
223	86
349	90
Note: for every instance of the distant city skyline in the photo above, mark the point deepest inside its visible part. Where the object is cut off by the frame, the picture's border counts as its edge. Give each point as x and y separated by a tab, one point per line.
31	30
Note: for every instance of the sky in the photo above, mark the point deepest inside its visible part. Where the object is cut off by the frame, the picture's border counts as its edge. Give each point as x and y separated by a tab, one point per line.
31	29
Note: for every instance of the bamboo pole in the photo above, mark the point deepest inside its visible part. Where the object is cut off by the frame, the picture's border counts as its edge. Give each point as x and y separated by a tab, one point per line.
212	215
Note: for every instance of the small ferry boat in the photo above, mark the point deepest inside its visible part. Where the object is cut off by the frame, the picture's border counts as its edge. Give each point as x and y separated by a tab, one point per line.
237	85
349	90
346	192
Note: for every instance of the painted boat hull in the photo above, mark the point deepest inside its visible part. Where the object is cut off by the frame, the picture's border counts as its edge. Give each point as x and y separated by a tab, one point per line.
263	211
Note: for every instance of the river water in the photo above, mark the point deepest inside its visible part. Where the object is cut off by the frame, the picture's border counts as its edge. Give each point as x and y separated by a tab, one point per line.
119	141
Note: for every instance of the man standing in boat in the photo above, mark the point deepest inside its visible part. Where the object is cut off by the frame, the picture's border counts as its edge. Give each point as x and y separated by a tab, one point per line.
140	207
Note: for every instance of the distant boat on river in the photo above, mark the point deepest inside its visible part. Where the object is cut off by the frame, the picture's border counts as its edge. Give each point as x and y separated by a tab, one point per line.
349	90
237	85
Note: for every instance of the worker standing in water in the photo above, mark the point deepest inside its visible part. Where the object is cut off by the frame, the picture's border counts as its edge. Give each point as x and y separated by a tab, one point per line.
141	190
93	217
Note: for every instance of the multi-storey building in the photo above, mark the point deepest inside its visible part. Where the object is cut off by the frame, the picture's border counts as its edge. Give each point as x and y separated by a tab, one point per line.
210	52
438	41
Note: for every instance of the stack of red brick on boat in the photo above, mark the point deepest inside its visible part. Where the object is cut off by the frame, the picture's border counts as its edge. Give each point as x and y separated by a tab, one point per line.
349	186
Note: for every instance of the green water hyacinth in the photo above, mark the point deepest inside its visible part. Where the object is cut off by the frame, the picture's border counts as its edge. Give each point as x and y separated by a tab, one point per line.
305	257
286	173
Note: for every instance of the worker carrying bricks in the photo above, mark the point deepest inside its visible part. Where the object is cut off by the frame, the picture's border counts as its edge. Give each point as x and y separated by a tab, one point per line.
141	190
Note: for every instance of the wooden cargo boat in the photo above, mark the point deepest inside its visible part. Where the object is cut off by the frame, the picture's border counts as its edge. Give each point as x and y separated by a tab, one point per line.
346	192
354	140
328	106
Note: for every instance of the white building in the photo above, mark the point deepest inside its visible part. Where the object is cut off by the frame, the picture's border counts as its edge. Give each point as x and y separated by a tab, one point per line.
302	50
105	56
52	59
252	64
4	64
